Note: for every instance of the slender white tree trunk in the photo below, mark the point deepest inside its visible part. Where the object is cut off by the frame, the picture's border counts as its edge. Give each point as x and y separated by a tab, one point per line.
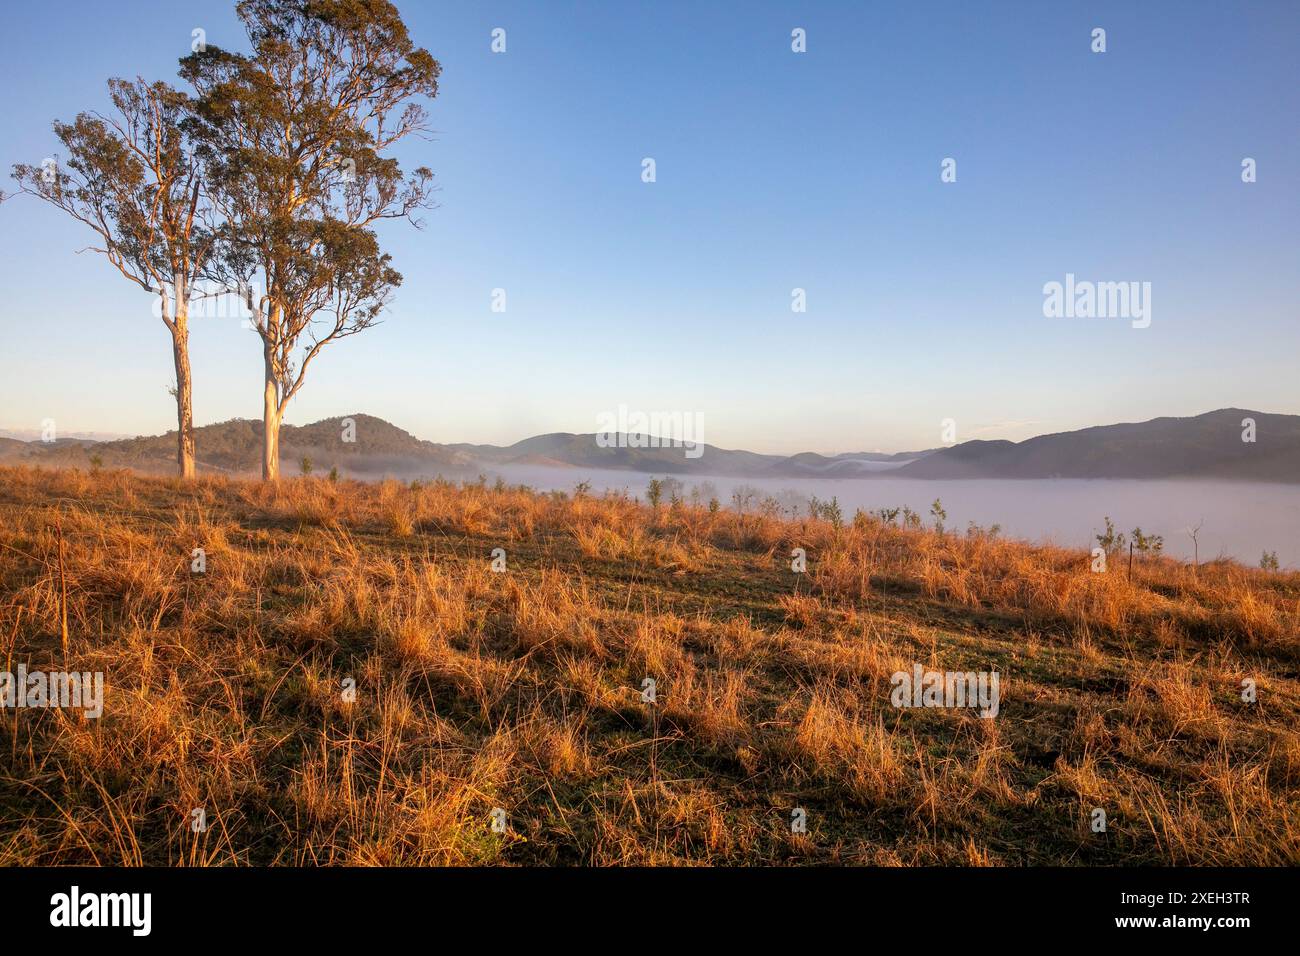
178	325
184	403
270	420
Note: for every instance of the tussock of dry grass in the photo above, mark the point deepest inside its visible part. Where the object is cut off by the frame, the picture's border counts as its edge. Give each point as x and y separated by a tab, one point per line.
522	690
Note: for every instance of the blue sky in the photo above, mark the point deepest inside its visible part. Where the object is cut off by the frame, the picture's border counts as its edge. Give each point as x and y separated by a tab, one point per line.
775	170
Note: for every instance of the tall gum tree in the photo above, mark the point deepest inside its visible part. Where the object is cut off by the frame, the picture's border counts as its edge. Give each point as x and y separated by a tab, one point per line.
297	135
133	179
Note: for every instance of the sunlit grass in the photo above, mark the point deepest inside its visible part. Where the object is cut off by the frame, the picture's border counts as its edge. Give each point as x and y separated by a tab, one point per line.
522	690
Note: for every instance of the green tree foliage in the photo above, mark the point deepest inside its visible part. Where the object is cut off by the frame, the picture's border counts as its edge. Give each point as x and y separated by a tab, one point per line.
135	180
297	135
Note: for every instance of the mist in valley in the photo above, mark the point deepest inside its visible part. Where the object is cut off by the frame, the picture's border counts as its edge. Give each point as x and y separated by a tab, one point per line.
1240	520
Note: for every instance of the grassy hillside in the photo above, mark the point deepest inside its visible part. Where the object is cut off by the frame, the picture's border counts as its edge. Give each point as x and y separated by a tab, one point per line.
520	690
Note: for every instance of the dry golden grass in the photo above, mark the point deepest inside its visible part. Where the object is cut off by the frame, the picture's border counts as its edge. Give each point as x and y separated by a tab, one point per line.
522	690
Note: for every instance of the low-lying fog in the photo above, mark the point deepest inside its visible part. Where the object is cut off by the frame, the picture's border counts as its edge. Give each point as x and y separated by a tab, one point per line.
1238	520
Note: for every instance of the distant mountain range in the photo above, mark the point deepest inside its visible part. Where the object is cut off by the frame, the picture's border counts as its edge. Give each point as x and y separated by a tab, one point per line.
584	451
1202	446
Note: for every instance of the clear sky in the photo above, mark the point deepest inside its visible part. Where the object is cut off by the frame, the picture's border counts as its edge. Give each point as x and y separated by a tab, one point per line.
775	170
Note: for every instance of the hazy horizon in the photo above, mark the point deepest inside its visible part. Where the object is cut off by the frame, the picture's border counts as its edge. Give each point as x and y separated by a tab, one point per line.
97	434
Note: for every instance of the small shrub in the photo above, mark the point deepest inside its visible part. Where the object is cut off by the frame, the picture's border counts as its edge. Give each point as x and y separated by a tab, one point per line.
887	515
1147	543
1111	542
939	515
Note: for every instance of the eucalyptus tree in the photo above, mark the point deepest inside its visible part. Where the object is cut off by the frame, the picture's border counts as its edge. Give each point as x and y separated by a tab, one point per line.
298	135
133	179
